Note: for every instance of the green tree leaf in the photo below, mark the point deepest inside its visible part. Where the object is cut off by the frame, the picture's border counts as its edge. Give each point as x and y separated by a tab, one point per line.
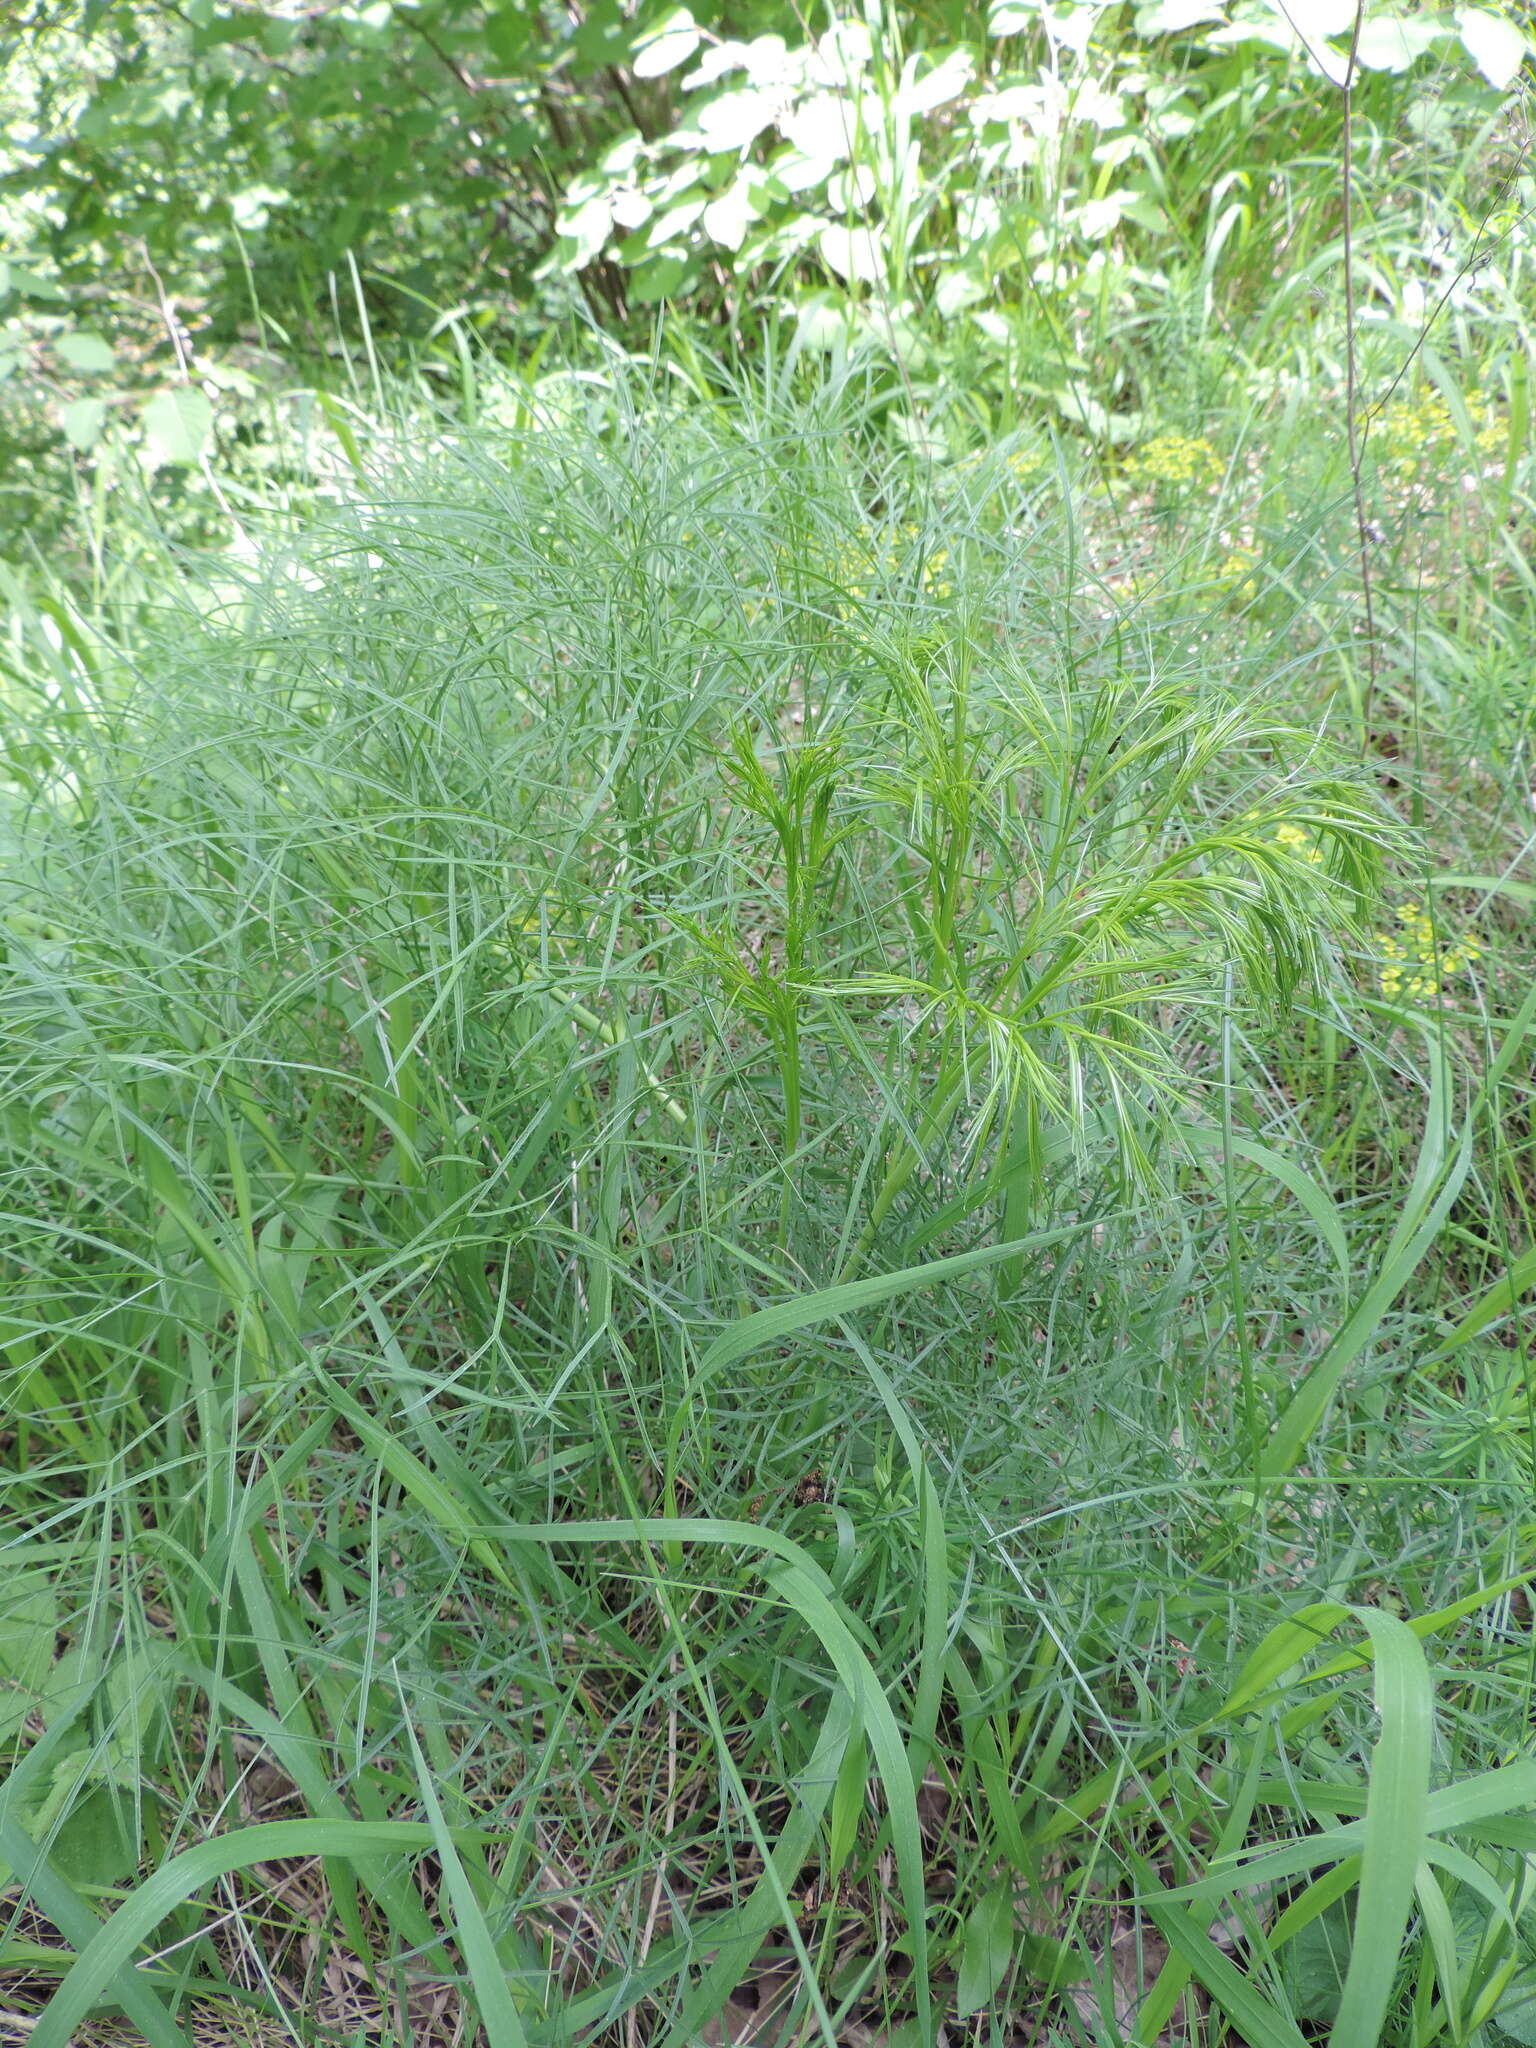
1495	45
661	49
84	421
84	351
177	425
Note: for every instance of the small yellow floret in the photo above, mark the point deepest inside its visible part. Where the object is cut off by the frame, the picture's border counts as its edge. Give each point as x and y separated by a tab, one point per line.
1413	431
1412	965
1297	841
1175	461
1236	577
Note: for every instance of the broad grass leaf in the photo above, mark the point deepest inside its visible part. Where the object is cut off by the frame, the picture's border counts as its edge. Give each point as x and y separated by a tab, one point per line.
29	1620
95	1841
1315	1962
1260	2024
1492	1307
1396	1816
768	1325
132	1988
986	1949
1444	1161
106	1960
1515	2022
498	2011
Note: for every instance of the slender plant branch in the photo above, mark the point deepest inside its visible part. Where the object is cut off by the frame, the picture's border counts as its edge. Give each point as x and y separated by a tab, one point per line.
1352	425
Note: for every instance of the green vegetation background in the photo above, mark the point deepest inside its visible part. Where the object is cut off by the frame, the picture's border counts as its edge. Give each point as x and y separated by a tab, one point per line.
765	1078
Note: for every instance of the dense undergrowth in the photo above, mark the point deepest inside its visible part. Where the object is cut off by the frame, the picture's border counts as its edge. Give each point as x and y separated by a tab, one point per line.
764	1204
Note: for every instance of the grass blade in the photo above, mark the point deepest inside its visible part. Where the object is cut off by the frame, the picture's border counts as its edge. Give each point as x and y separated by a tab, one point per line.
1396	1818
102	1963
498	2010
1442	1169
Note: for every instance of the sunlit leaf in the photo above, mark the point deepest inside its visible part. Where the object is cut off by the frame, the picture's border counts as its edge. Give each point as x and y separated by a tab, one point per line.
177	425
958	290
821	128
727	218
854	253
1495	45
936	87
674	224
1394	42
84	421
658	279
1171	17
736	119
585	229
84	351
661	49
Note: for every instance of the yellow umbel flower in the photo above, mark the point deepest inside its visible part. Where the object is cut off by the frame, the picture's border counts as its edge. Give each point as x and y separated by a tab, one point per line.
1414	431
1235	574
1413	969
1175	462
1296	841
862	561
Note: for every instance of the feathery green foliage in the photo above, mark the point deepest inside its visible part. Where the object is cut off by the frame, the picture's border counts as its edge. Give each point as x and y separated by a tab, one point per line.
707	1310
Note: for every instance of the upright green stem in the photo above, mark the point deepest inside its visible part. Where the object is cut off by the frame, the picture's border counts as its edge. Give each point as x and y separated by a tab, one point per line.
792	1111
901	1171
1362	525
1251	1422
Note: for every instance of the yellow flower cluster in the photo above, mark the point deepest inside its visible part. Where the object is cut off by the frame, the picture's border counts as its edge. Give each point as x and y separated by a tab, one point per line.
856	565
1023	463
858	561
1176	462
1235	574
1297	841
934	580
851	568
1412	430
1413	967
